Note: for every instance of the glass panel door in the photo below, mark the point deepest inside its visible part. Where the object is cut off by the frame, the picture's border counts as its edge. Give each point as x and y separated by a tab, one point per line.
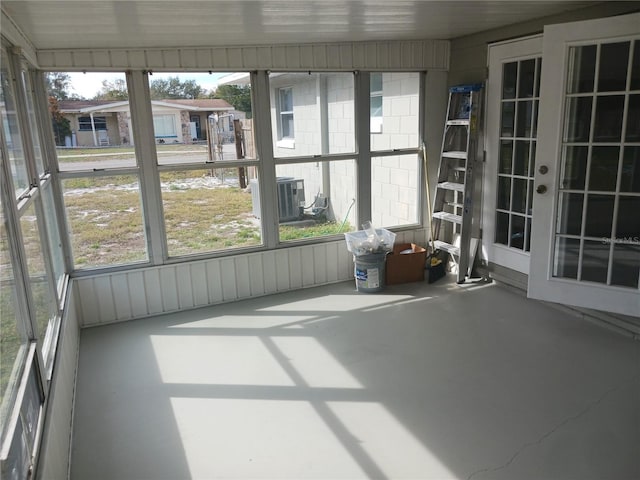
512	118
585	248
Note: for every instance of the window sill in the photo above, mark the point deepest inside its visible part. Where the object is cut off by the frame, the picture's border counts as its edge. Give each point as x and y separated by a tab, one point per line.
286	143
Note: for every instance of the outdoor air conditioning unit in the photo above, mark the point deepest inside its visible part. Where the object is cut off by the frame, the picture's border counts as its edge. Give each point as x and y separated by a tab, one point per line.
290	198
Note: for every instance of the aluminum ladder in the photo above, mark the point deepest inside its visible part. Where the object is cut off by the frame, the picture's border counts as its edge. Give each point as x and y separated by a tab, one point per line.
453	205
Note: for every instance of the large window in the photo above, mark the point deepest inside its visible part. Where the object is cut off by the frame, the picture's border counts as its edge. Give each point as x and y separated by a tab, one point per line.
208	169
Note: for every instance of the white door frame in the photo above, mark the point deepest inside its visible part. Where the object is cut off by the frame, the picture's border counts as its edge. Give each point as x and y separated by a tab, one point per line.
542	284
498	54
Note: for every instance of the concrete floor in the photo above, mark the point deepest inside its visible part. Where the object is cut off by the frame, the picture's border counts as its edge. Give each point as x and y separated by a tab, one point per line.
417	382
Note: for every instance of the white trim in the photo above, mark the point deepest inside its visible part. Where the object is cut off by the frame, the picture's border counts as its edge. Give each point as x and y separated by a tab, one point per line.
386	55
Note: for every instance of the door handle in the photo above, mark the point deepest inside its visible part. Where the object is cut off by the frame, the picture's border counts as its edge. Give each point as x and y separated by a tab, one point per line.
541	189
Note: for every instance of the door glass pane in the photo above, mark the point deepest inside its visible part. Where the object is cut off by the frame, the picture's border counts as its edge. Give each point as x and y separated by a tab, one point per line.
608	124
582	68
11	127
521	158
506	152
504	193
508	113
579	119
525	114
599	216
509	77
526	78
595	261
567	257
630	181
626	265
517	232
628	226
614	61
635	69
574	169
502	228
519	202
604	168
633	119
570	213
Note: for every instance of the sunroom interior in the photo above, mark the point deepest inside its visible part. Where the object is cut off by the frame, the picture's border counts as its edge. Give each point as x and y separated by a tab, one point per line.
177	297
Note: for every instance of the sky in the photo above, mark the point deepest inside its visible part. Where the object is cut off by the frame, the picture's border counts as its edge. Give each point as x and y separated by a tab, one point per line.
90	83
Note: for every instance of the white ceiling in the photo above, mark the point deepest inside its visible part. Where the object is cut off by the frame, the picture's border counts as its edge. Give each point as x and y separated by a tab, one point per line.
185	23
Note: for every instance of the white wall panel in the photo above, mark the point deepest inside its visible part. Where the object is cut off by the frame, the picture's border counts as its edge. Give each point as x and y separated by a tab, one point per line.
56	436
256	275
137	293
104	300
185	288
403	55
228	275
214	281
282	271
295	268
169	289
199	282
123	300
243	277
153	290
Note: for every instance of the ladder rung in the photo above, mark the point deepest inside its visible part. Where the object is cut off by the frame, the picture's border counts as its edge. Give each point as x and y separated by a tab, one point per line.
455	154
458	121
449	217
446	247
455	204
459	187
459	169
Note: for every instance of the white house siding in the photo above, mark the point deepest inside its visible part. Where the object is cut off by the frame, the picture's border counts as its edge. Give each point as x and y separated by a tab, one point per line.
395	180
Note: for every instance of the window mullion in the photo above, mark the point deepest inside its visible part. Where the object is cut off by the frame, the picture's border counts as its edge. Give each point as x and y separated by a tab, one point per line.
264	149
363	145
145	147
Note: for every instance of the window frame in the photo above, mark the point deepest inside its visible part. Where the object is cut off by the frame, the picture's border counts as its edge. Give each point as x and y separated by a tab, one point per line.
84	123
285	117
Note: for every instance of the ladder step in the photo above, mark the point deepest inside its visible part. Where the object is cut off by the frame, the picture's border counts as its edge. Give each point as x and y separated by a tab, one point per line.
459	169
459	187
446	247
455	204
458	121
455	154
449	217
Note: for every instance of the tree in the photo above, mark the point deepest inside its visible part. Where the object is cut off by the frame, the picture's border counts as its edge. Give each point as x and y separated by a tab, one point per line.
172	87
58	85
61	126
237	95
116	90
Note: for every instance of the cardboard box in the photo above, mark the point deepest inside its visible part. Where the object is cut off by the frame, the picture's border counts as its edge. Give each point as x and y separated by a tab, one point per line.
405	267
